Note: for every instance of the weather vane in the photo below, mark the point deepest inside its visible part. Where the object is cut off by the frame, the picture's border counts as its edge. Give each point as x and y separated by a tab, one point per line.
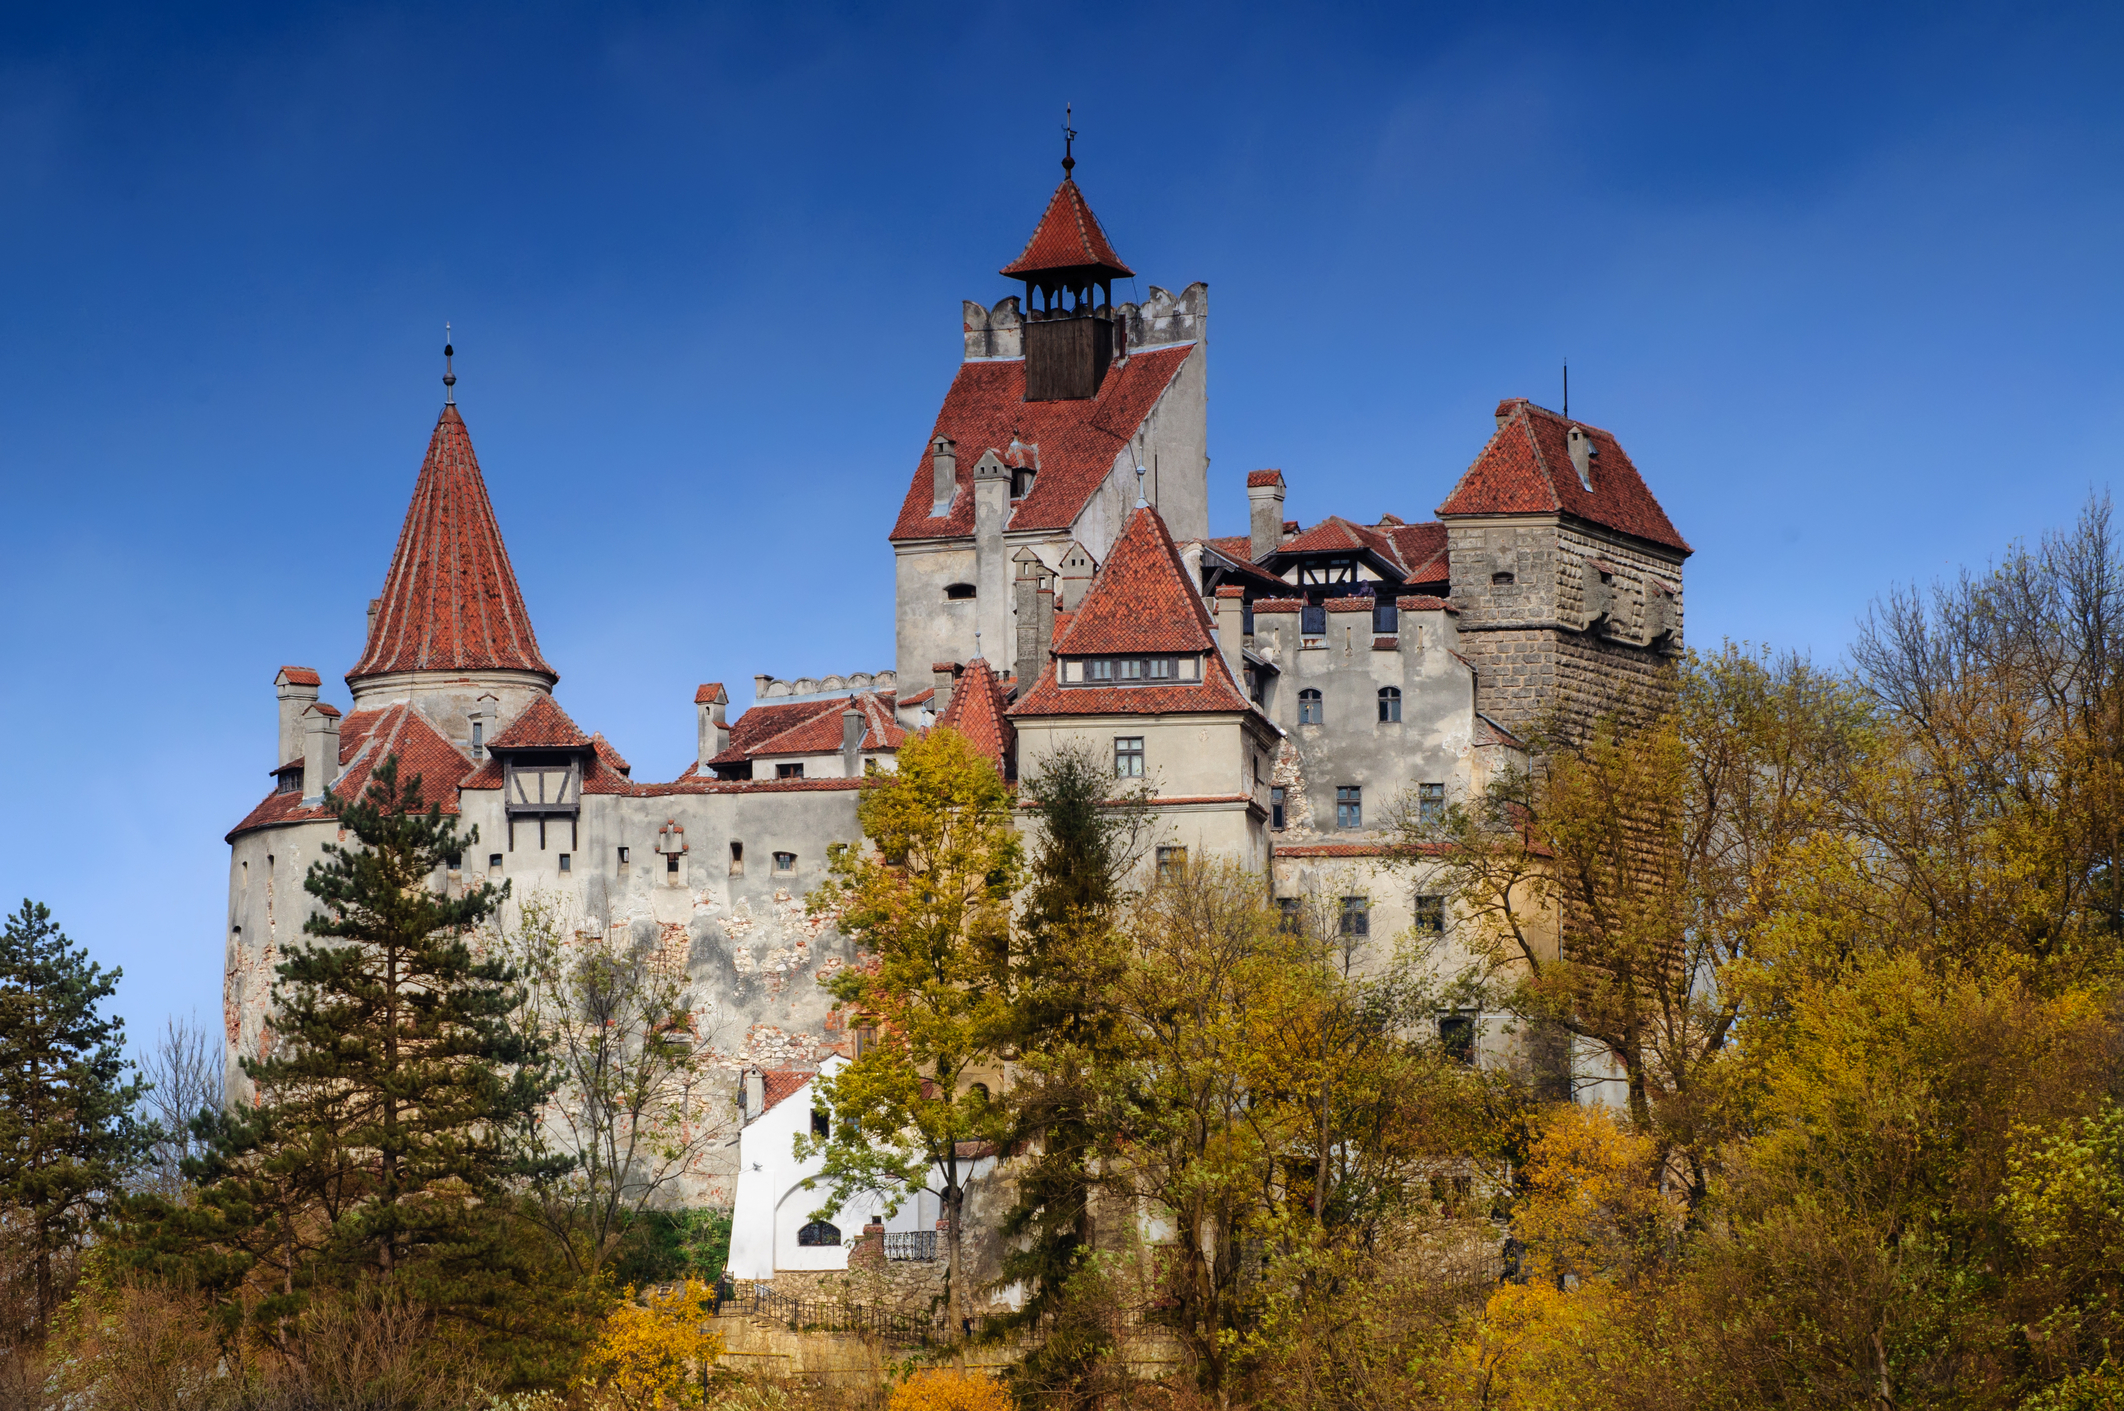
1069	135
449	377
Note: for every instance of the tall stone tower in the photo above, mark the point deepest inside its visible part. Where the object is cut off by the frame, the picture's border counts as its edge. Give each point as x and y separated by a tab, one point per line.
1566	572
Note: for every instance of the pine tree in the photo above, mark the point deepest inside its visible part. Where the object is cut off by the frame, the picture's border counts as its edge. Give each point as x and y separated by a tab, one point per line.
67	1139
399	1076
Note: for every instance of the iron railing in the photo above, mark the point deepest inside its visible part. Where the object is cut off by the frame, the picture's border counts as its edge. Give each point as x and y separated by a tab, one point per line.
911	1244
822	1315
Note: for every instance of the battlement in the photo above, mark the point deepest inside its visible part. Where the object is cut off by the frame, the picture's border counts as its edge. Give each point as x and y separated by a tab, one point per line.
1163	318
809	688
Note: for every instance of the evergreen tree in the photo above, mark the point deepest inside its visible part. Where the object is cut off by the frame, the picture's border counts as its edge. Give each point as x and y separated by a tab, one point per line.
67	1140
399	1076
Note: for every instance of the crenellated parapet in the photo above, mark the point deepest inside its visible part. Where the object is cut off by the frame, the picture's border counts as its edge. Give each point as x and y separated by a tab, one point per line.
1162	319
769	688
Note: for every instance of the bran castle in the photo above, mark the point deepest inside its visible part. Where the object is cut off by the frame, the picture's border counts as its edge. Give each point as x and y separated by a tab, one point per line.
1282	693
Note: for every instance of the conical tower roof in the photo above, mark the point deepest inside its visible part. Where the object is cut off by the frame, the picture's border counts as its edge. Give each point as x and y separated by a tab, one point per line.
1068	241
450	602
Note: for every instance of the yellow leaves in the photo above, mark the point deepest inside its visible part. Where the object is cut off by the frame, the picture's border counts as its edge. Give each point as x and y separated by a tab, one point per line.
1540	1348
1594	1208
946	1390
648	1353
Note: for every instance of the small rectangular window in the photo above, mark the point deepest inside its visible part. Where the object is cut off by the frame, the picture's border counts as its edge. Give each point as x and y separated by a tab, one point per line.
1312	620
1159	668
1171	863
785	862
737	859
789	771
1289	917
1131	669
1309	712
623	857
1276	807
1429	916
821	1124
1349	806
671	863
1356	916
1128	756
479	735
1389	705
1102	671
1385	616
494	862
1456	1035
567	863
1430	803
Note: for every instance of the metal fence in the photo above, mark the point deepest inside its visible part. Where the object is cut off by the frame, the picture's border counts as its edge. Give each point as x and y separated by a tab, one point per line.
821	1315
911	1244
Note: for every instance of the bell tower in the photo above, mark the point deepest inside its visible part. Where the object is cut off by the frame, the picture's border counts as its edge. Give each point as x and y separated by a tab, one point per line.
1071	333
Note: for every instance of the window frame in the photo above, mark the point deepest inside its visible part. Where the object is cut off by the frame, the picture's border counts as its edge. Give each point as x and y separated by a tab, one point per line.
1124	755
1349	806
785	864
1171	861
1355	917
1312	709
1389	705
1278	799
793	770
1430	802
1427	914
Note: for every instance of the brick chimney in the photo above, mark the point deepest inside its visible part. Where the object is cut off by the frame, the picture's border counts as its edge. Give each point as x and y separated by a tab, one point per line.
1264	503
320	751
296	686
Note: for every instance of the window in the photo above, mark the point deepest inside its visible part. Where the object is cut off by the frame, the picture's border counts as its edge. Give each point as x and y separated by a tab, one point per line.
1134	670
623	857
479	736
1276	807
821	1124
1430	803
789	771
1128	756
1390	705
785	862
671	863
737	859
1456	1035
567	862
1349	806
817	1234
958	592
1501	579
1429	913
454	861
1309	707
1171	863
1384	616
1021	483
866	1039
1312	620
1356	916
290	782
1290	919
494	862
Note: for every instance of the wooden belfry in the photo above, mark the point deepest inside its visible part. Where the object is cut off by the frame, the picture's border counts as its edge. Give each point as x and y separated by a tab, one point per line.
1071	334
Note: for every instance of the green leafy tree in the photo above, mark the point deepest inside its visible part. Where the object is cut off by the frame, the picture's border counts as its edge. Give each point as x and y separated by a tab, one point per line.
67	1140
931	907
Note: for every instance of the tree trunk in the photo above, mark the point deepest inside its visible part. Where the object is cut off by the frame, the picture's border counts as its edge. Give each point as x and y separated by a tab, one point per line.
954	1202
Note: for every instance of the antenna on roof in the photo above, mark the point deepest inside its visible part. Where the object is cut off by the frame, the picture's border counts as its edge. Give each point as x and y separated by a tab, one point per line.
1069	135
1567	389
449	377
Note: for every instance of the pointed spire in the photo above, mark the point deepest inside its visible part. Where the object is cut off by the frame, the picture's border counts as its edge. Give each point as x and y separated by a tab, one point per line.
450	601
1069	136
1068	246
449	377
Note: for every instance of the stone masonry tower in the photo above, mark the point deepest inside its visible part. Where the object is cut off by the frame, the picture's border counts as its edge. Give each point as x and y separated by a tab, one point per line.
1566	572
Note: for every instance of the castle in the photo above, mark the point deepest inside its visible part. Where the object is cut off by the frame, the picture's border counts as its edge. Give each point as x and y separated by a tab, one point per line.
1281	692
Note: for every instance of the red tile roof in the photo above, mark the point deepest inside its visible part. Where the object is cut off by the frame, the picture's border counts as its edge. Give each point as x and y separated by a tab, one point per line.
1263	477
781	1083
543	725
1142	599
706	695
1278	604
1424	602
1077	439
300	676
1349	604
1231	590
1068	238
977	712
810	727
366	738
1422	549
450	601
612	758
1526	469
323	708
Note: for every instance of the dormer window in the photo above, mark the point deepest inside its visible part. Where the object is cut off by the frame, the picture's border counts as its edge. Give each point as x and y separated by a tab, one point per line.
1021	482
290	781
1130	671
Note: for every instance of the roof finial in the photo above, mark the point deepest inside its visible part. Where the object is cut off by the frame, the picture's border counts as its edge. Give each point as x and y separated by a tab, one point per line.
977	644
449	377
1069	135
1141	502
1567	389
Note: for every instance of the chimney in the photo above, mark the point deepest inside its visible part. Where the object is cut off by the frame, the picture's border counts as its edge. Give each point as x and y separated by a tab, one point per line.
944	475
297	688
710	704
1583	449
1231	631
1077	572
375	604
752	1097
320	751
945	675
1030	646
853	726
1264	503
991	487
1046	641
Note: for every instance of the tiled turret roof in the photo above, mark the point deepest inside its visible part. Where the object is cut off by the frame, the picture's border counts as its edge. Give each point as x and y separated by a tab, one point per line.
976	711
1068	238
450	601
1526	469
543	724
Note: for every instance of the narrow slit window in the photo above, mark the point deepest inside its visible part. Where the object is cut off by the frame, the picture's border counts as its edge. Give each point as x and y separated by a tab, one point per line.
567	862
785	862
623	857
1276	797
671	863
737	859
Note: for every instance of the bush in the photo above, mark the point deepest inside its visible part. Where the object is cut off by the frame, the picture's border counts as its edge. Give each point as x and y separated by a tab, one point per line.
944	1390
648	1352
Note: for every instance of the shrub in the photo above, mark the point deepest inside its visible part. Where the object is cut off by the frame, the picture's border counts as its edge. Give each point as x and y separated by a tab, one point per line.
647	1351
945	1390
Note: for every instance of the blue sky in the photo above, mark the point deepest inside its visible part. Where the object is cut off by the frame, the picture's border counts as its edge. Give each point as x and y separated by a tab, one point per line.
1844	279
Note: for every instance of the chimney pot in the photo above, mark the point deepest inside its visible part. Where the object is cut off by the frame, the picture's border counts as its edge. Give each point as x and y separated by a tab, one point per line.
296	687
944	475
853	726
320	752
1264	502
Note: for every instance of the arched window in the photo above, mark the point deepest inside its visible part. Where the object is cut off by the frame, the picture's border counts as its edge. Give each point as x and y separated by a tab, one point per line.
1308	707
1389	704
818	1233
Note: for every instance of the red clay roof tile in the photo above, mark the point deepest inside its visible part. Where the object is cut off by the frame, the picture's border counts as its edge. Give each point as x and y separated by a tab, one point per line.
1526	469
1142	599
450	601
367	738
1263	477
706	695
1068	238
299	676
977	712
543	725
